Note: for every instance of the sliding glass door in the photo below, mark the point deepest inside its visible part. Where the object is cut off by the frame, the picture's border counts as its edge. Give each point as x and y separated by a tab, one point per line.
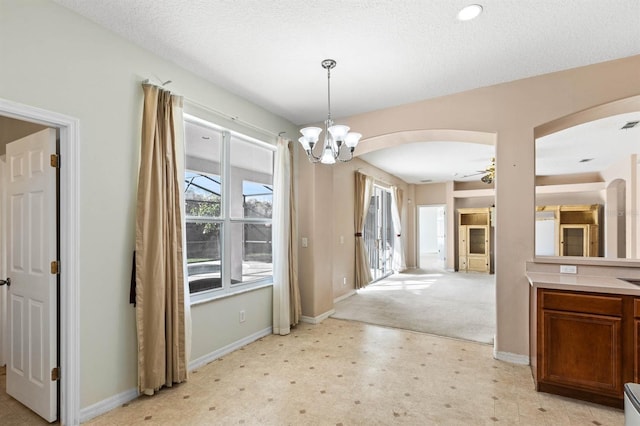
378	233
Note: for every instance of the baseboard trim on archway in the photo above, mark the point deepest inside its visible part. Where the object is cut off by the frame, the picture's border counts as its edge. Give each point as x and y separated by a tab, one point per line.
511	357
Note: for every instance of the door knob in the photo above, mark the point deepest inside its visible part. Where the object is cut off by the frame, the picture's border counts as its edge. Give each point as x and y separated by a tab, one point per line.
7	282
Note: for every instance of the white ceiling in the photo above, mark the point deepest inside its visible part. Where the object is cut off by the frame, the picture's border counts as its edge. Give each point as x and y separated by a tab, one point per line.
389	52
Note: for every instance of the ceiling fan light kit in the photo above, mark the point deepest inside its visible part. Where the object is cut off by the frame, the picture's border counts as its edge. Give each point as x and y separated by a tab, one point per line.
336	136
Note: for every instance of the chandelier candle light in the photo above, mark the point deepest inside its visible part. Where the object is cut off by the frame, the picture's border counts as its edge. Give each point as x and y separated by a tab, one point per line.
336	135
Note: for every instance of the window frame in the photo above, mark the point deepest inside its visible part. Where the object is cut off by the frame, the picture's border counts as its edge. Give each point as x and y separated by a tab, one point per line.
225	220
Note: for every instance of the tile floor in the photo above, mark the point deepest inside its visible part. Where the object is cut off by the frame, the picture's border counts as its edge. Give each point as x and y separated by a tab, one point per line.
348	373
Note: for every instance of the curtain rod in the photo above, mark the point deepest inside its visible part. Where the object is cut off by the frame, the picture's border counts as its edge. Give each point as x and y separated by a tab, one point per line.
226	116
376	178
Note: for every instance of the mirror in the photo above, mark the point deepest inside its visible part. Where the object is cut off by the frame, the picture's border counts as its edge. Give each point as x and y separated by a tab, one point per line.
588	183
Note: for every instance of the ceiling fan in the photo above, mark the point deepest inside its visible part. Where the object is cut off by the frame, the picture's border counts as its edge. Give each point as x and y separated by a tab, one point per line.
489	173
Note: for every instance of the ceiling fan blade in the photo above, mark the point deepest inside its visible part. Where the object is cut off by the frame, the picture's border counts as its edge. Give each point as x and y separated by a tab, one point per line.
473	174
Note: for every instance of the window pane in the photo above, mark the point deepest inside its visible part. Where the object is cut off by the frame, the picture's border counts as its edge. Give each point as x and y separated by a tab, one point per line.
204	254
202	147
251	173
251	258
258	199
202	195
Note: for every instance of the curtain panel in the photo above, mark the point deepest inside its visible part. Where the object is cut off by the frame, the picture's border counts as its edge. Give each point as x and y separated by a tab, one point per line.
363	189
399	263
286	294
160	285
295	305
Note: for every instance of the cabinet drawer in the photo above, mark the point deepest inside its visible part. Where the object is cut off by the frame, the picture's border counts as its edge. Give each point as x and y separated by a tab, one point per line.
584	303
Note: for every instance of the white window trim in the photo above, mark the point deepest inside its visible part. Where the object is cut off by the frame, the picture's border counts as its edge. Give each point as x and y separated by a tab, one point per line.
226	220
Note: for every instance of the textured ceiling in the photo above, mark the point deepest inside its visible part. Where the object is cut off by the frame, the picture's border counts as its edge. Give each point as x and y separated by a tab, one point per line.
389	52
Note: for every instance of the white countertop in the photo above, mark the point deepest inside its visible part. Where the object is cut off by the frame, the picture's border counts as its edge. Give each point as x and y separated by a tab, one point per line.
587	283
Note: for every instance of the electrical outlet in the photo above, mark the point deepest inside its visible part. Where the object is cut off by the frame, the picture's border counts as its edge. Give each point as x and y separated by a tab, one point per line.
305	242
341	239
242	316
568	269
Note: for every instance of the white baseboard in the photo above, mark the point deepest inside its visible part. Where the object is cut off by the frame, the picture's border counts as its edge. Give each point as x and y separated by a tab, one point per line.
205	359
108	404
344	296
511	357
116	401
319	318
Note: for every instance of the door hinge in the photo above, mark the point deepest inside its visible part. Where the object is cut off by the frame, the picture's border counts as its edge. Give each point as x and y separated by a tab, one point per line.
55	267
55	161
55	374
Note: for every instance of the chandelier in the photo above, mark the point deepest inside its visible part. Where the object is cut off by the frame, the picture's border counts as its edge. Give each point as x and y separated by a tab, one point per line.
336	136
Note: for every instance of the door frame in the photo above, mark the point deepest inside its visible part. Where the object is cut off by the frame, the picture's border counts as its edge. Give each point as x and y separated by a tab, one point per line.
69	333
419	228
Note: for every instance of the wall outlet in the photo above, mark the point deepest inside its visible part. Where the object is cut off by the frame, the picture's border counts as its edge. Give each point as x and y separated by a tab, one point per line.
341	239
305	242
242	316
568	269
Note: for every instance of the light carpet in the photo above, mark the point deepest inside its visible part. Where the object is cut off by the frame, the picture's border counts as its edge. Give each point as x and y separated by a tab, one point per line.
451	304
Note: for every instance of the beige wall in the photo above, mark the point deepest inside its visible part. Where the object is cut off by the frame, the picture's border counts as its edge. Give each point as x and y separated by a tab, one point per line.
56	60
511	111
431	193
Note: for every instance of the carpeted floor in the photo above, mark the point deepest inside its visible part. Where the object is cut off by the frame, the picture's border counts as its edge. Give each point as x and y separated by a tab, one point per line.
450	304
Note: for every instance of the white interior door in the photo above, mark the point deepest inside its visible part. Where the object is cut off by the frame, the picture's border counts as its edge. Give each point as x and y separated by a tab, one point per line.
3	273
441	235
32	296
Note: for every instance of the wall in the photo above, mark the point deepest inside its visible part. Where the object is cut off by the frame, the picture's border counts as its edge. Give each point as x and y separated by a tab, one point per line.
65	63
430	193
510	111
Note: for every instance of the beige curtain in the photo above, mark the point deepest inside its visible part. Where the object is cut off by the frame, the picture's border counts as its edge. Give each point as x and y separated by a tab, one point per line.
399	263
363	188
286	296
160	287
295	305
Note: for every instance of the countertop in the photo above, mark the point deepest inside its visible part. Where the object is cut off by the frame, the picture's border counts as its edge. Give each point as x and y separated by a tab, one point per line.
587	283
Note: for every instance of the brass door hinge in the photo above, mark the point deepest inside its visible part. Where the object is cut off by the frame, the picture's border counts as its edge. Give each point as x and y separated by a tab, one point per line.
55	267
55	374
55	160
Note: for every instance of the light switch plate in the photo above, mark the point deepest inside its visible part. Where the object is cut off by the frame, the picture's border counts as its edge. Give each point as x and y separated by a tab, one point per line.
568	269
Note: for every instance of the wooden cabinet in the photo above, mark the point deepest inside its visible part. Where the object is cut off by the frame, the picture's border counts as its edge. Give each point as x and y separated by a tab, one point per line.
474	240
587	344
576	230
636	340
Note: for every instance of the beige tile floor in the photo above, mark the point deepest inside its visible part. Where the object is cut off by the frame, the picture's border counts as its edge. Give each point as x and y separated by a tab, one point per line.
349	373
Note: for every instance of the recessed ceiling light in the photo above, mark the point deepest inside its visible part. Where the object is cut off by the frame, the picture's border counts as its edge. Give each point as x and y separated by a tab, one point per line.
469	12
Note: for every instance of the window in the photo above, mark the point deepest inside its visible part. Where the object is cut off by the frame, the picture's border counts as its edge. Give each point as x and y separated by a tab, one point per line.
228	210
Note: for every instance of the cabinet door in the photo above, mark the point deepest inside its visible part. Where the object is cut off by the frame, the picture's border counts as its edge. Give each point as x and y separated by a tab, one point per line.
478	263
478	240
573	240
636	340
462	248
593	241
582	351
636	351
462	263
